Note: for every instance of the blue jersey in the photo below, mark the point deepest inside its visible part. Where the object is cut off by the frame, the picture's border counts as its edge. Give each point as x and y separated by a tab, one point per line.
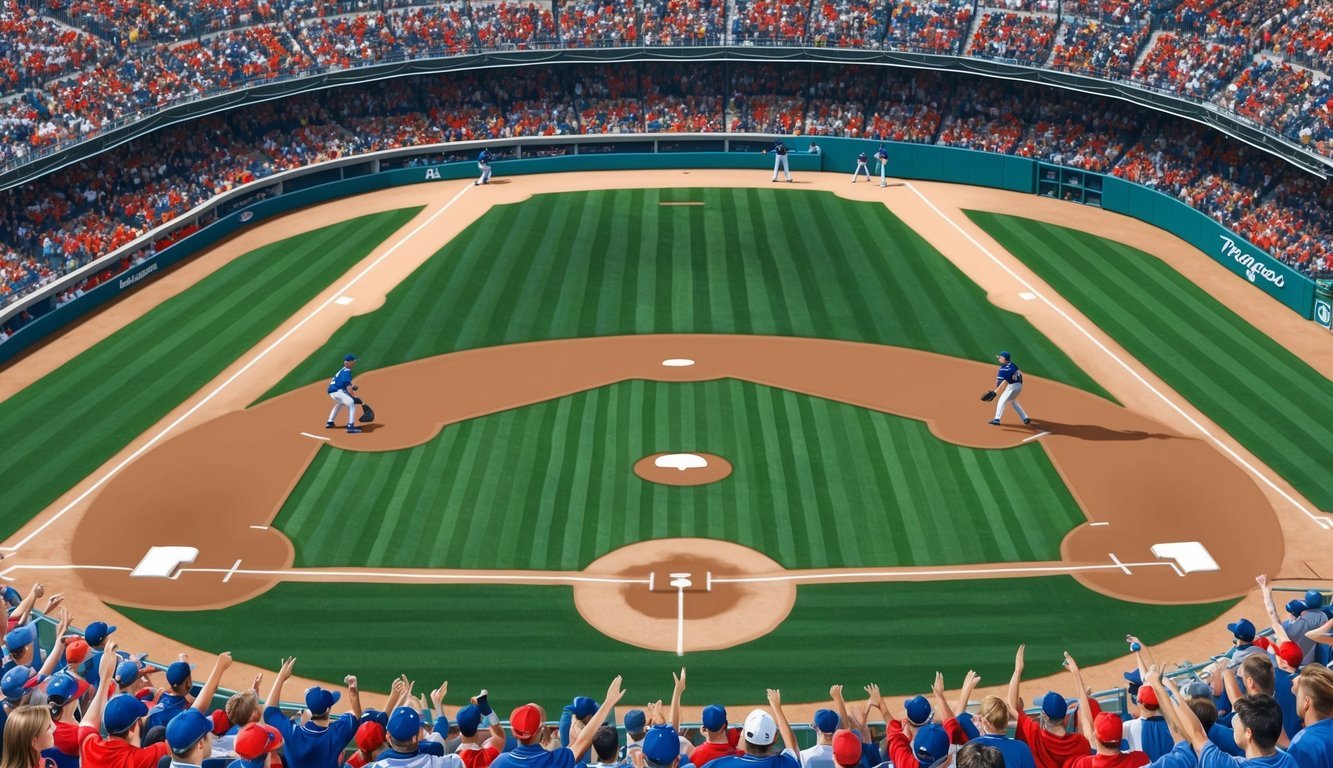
882	154
341	380
484	157
1313	745
779	148
1008	372
861	158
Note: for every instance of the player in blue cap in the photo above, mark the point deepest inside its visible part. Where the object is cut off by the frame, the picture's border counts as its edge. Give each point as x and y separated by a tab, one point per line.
1011	379
341	389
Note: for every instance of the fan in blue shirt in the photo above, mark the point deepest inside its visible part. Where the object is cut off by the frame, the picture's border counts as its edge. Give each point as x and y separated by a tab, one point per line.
320	742
1257	724
526	723
1312	747
757	740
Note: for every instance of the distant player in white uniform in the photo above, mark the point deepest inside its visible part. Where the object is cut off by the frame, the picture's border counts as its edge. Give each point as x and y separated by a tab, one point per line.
780	160
341	389
1011	379
484	165
882	155
861	166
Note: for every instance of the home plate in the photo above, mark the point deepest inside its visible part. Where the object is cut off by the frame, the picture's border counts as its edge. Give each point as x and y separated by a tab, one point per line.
164	562
1191	556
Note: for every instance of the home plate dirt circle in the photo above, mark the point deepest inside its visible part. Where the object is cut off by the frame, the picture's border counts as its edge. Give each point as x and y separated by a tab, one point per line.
682	468
684	595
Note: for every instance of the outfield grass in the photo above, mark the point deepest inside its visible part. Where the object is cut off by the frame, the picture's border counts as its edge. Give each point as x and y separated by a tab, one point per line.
1254	388
530	644
72	420
750	261
816	484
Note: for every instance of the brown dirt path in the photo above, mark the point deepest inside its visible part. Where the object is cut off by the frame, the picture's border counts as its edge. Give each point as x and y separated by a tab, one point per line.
1305	561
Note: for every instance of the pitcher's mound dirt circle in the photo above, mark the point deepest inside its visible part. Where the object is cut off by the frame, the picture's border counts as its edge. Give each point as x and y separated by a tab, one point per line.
717	468
718	612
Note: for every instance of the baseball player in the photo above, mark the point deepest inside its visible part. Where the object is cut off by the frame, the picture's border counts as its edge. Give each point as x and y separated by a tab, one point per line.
780	160
882	155
1008	375
341	389
484	164
861	161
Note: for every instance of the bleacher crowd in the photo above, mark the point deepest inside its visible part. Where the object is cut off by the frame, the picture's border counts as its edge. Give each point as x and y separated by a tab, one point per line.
81	700
90	209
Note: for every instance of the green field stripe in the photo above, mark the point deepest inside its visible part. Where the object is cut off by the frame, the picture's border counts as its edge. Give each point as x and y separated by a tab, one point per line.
1248	384
535	642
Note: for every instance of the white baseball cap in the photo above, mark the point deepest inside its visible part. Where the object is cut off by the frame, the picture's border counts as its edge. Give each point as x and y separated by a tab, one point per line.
760	729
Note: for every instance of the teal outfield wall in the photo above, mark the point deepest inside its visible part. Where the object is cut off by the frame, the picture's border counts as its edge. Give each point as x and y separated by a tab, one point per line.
912	161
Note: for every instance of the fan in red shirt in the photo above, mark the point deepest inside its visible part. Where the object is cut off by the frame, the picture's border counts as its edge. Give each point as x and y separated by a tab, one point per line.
1051	744
1105	732
716	744
476	751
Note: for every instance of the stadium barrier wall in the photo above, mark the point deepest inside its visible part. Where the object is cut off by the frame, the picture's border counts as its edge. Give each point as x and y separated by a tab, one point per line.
282	193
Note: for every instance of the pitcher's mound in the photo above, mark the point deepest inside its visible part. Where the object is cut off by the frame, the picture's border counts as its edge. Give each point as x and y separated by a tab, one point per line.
682	468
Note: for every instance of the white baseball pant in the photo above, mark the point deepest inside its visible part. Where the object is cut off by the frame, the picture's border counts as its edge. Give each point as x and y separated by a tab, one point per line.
343	400
485	173
883	170
1010	396
860	166
780	161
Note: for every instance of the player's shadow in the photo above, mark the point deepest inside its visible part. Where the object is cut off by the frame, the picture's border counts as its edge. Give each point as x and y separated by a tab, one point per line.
1096	432
369	426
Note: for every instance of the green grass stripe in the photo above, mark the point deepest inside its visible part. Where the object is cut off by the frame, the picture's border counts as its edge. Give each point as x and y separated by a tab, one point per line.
1254	388
750	261
75	418
530	644
816	484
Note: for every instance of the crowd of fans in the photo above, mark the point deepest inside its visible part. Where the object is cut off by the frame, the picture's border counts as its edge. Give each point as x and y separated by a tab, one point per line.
84	701
75	68
94	207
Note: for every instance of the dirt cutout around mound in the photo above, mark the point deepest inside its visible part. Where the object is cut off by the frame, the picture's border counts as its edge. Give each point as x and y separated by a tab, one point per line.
683	468
218	487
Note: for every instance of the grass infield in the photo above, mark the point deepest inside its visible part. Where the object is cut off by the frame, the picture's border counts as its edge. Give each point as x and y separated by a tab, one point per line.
816	484
1254	388
72	420
529	643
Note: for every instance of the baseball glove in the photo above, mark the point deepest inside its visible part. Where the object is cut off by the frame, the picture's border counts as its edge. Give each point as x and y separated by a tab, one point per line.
367	413
989	396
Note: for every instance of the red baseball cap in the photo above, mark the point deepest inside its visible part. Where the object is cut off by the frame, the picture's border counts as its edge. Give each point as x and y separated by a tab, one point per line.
256	740
525	721
76	650
1109	728
846	748
369	736
1263	642
1148	697
1290	653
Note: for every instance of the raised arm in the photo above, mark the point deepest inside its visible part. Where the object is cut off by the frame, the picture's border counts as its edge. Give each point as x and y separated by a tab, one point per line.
941	704
25	605
1012	698
1190	727
397	689
1274	621
579	746
483	703
106	668
354	695
58	647
970	683
1084	706
788	736
676	691
876	701
210	688
840	705
437	699
275	691
1220	669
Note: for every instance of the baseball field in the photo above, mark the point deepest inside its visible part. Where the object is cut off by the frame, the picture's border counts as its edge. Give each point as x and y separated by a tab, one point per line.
531	347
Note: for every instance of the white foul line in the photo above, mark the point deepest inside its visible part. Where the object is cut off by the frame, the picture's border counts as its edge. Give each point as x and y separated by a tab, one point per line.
1119	564
1321	522
207	398
680	621
232	572
404	575
888	574
1034	437
317	437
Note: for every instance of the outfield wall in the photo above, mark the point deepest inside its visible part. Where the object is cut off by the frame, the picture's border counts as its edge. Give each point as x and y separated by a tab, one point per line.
245	206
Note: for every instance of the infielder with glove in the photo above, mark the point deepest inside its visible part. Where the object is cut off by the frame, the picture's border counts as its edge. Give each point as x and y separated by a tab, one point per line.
882	155
861	167
780	160
341	389
484	165
1011	379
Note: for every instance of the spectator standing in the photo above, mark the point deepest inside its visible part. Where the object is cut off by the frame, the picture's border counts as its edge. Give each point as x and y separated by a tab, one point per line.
993	722
1257	723
1105	731
1051	744
319	742
714	721
1312	747
526	723
758	738
256	746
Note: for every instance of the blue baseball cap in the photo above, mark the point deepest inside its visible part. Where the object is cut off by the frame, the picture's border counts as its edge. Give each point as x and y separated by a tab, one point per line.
96	632
930	745
969	725
18	681
186	729
404	724
349	358
127	672
918	710
178	673
714	717
1135	681
826	720
584	707
1053	705
469	720
122	712
63	686
661	745
635	720
1314	598
12	597
20	638
320	701
1296	607
1005	354
375	716
1242	630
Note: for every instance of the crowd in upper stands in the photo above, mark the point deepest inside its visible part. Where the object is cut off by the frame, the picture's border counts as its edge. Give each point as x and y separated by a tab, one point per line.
75	68
83	700
48	229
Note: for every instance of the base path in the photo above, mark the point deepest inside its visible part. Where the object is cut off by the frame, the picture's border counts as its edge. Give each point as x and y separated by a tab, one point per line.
216	488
